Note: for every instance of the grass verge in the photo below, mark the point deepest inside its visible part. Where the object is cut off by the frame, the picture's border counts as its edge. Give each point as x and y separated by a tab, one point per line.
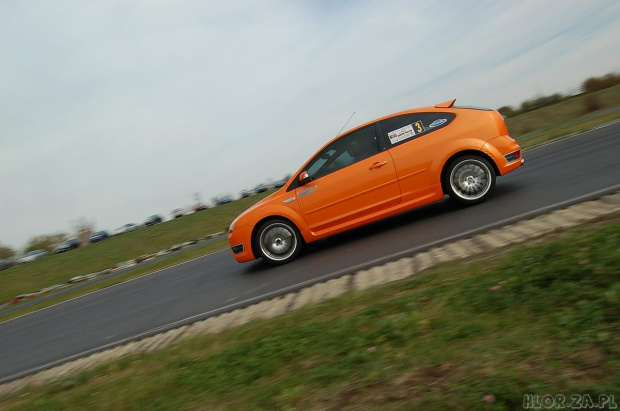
135	273
541	319
59	268
549	122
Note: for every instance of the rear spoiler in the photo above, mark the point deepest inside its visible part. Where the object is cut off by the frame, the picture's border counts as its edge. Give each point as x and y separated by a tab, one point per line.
446	104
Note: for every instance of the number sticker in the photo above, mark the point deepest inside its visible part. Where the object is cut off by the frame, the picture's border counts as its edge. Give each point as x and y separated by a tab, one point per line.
419	128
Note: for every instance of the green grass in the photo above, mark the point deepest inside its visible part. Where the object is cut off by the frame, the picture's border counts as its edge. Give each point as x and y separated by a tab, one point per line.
541	319
137	272
559	131
549	120
59	268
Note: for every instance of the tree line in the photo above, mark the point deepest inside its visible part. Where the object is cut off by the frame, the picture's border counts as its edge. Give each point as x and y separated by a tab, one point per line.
81	229
589	86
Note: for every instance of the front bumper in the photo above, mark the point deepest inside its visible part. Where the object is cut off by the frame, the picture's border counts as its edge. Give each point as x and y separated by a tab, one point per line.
240	241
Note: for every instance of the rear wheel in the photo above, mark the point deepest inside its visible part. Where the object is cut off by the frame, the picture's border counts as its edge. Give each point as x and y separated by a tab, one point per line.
278	241
470	179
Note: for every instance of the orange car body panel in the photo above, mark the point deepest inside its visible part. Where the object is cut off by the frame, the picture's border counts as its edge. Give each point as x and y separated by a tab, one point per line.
353	192
395	180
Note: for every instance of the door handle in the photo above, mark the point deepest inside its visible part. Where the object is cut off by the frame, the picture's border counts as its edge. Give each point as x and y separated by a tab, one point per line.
377	165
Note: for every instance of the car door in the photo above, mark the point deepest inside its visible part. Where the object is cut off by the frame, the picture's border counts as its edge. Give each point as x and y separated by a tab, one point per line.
414	141
350	180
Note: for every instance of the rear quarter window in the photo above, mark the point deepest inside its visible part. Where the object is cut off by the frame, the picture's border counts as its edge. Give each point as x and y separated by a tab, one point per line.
401	129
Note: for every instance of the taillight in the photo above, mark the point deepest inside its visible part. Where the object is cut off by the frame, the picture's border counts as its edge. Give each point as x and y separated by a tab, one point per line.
514	156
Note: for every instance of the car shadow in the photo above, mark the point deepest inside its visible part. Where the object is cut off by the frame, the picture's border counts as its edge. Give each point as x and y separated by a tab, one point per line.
377	228
256	266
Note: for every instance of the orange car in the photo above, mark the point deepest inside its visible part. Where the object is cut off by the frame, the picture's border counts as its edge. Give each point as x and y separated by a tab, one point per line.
384	167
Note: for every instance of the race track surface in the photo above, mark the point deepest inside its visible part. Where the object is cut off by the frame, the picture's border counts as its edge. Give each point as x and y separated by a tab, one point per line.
552	174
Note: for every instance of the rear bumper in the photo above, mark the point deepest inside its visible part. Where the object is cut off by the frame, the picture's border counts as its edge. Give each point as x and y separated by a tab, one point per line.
502	150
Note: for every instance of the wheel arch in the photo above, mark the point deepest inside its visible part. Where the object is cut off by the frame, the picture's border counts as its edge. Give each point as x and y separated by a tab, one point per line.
264	220
446	164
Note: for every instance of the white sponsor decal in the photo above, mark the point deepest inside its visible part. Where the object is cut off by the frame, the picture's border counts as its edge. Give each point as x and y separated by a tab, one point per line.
401	134
438	122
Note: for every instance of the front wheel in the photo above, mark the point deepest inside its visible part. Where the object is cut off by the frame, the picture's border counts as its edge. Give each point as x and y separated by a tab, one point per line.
278	241
470	180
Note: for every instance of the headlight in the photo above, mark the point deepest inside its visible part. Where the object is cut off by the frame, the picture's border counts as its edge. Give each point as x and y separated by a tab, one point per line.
232	226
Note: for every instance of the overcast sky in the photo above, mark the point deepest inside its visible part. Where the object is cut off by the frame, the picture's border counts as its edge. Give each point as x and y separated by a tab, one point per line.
116	110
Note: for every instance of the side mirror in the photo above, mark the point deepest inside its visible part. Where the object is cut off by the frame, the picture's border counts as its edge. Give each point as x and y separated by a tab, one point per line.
304	178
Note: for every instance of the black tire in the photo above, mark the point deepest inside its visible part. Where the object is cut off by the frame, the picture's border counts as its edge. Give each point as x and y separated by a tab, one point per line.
470	179
278	241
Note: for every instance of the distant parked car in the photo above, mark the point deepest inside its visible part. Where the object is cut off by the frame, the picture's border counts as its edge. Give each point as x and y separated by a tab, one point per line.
261	188
177	212
246	193
5	264
98	236
31	256
66	246
280	183
152	220
224	200
126	228
200	207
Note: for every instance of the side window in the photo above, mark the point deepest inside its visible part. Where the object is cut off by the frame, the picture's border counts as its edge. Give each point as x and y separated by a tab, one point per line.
349	149
400	129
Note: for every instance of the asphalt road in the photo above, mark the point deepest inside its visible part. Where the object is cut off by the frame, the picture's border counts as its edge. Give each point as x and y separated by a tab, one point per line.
552	174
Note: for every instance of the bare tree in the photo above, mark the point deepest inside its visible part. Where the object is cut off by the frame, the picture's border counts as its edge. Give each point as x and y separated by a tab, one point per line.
83	229
45	241
6	252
